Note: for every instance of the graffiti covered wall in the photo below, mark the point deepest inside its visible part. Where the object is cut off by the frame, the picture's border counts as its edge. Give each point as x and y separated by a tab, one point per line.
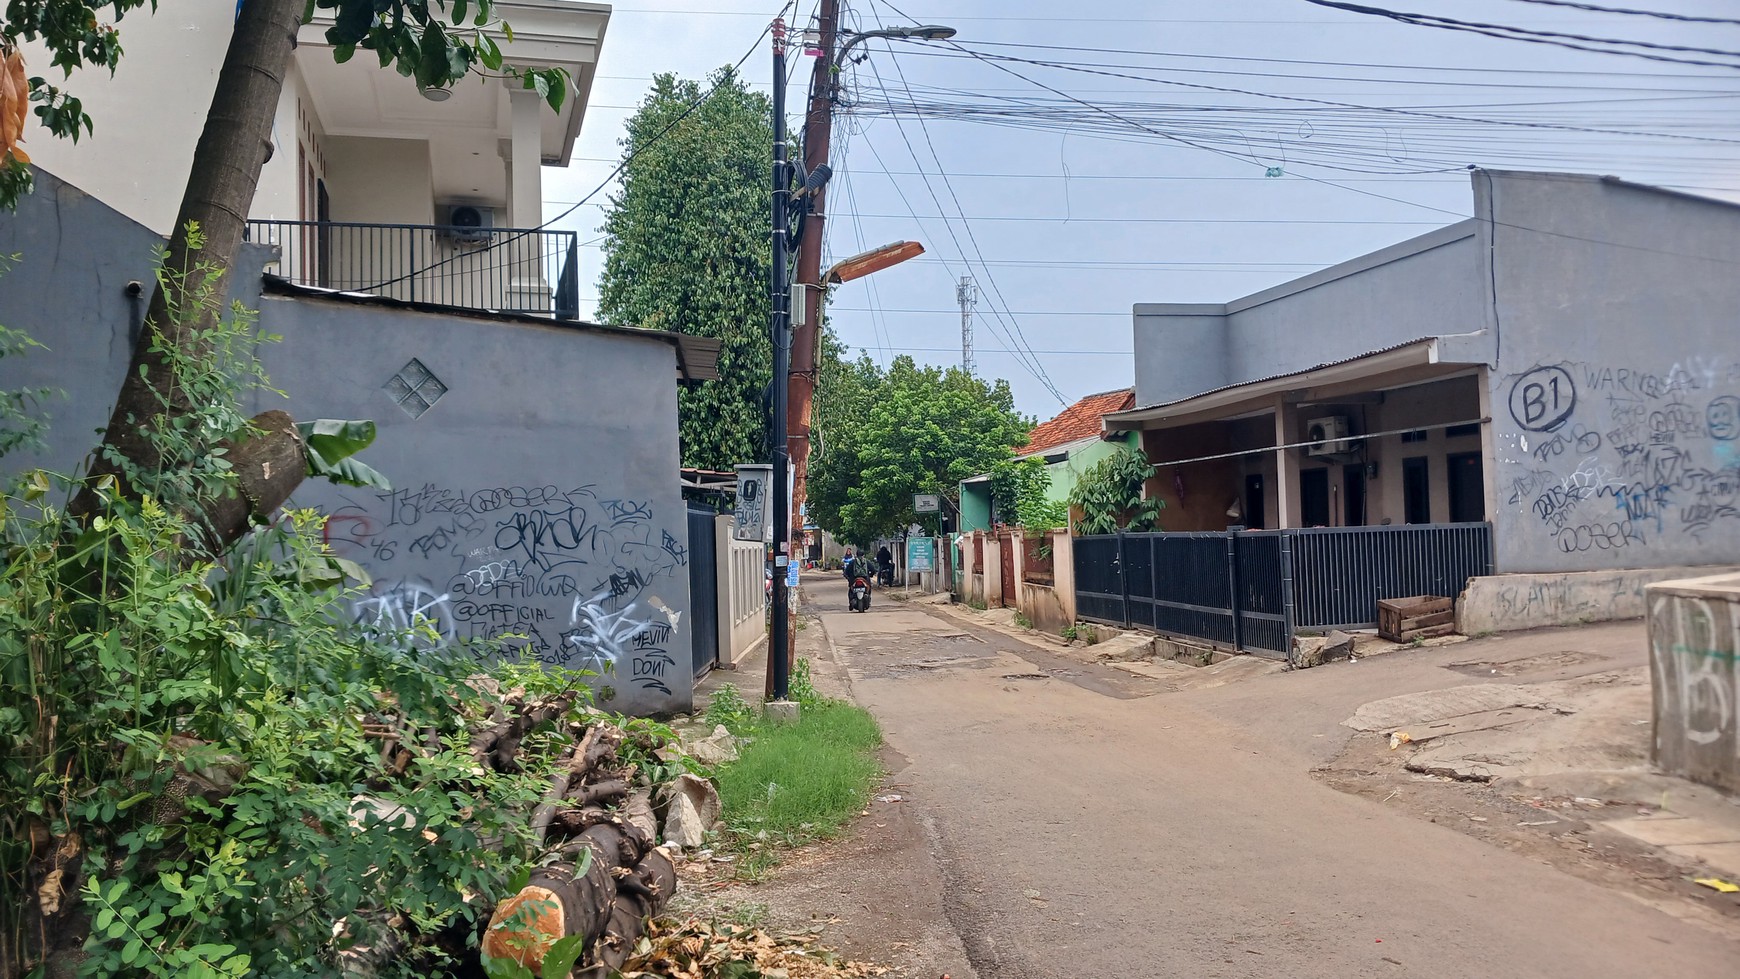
534	465
1694	636
535	496
1624	466
557	575
1615	402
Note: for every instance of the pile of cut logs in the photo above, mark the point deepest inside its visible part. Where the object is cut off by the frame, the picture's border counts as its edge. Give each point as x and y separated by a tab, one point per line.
609	876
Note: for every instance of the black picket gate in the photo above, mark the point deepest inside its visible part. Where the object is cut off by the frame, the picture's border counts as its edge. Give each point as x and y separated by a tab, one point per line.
1255	589
703	589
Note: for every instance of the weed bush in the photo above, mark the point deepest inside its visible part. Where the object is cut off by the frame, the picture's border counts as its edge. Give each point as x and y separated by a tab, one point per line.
798	782
793	783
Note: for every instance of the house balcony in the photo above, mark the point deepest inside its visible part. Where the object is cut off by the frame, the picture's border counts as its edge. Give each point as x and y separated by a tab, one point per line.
509	270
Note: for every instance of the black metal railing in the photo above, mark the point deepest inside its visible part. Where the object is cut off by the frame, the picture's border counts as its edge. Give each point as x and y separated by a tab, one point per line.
1254	589
510	270
1340	573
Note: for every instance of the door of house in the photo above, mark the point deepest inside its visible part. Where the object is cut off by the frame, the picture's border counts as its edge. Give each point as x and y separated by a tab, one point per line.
1254	501
1353	495
1314	497
1467	487
323	236
1007	552
703	590
1416	490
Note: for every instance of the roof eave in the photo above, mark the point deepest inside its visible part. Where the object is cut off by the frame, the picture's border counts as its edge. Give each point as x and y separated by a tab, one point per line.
1415	353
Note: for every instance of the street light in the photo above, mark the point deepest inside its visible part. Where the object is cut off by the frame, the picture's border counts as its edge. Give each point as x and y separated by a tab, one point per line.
874	260
922	32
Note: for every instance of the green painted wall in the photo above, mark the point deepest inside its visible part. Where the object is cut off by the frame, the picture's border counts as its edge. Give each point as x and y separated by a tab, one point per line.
975	507
976	497
1064	474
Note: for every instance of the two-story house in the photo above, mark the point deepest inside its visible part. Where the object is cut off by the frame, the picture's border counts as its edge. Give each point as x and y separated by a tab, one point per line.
373	185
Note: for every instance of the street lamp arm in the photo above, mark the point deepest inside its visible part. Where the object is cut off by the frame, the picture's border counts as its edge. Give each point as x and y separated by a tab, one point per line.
874	260
925	32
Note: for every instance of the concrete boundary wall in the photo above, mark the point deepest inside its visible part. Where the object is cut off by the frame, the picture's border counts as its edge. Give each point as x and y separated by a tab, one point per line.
742	596
1694	645
1050	608
1508	602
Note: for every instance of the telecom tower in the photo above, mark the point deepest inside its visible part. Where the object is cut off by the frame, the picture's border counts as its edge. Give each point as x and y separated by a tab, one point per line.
967	294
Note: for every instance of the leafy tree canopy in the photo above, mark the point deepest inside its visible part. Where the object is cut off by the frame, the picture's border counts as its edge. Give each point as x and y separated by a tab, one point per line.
686	250
885	436
1020	494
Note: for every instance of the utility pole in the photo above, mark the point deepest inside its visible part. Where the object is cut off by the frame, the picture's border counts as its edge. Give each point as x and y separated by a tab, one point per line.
967	295
818	129
778	665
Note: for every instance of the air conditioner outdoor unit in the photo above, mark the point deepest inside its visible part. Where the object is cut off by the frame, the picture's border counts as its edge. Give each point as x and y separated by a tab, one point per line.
1328	436
468	223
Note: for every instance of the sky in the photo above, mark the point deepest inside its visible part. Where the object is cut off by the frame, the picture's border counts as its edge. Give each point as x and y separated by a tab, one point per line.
1169	151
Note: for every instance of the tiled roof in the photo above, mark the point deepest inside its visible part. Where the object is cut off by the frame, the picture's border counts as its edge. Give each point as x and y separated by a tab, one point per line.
1079	421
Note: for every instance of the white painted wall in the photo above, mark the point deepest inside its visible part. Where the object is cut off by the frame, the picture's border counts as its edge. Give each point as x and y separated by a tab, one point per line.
741	594
147	118
382	181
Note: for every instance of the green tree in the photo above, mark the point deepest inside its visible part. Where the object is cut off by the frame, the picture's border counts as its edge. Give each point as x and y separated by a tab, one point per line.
686	249
910	430
1021	494
437	42
845	392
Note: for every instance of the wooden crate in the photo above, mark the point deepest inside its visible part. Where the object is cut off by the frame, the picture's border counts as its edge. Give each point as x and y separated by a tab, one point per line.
1418	617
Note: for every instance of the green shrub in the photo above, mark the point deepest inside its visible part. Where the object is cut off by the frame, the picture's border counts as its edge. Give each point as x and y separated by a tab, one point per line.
1110	495
232	777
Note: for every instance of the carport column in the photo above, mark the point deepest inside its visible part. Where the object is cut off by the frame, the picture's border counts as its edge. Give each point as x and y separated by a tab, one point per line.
1488	453
1286	465
526	286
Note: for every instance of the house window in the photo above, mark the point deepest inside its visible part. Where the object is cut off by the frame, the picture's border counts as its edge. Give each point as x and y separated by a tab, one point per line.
1416	436
1416	490
1462	431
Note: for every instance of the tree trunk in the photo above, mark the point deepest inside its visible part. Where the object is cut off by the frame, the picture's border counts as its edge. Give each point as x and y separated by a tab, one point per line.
627	882
268	467
220	189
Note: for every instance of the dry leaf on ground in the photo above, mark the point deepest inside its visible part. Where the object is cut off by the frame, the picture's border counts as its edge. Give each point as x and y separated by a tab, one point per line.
695	949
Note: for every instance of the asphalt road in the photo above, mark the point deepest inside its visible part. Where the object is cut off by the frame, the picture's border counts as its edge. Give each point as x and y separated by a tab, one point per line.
1083	832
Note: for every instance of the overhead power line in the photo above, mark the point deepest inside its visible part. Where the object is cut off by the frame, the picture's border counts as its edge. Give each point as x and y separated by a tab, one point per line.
1380	109
1576	42
998	306
1663	15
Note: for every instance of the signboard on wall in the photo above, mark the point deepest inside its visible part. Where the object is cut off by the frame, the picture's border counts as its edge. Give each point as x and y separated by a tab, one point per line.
753	504
921	554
